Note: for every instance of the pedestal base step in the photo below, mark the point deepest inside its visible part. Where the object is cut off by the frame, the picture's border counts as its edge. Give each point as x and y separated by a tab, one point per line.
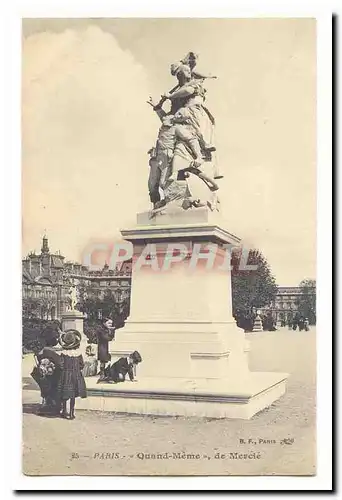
181	397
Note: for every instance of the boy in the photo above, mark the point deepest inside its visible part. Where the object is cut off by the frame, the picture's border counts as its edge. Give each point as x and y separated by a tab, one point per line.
117	371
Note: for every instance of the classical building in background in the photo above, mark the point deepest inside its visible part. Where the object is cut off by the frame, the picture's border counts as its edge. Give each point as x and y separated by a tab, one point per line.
47	279
285	305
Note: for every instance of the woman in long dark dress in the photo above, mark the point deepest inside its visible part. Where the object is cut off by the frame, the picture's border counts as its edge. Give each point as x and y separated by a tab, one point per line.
48	377
71	381
104	333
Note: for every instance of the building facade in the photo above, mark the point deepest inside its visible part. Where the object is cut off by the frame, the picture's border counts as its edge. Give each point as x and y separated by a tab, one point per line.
285	304
47	280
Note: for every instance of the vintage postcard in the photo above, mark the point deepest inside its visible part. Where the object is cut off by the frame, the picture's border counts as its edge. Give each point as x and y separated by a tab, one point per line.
169	246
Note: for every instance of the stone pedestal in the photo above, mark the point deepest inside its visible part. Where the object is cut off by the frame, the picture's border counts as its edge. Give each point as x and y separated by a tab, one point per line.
72	320
257	327
181	323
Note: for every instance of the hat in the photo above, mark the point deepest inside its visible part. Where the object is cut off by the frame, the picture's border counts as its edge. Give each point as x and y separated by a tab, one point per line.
177	67
190	59
71	339
136	357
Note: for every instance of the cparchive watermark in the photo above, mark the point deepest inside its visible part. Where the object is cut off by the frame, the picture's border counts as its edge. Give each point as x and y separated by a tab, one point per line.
163	257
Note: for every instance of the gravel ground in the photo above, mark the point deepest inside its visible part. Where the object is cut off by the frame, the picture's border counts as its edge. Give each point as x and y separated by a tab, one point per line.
119	444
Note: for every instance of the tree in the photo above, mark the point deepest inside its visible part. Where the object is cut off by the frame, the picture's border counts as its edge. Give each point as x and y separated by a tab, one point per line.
31	307
46	305
88	302
37	307
107	304
251	288
307	300
121	311
110	305
90	306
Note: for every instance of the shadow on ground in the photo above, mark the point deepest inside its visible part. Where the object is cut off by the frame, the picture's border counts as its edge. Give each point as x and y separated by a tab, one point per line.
34	408
29	384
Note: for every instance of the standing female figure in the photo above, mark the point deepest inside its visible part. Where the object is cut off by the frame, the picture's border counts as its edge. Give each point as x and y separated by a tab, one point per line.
71	382
104	333
48	379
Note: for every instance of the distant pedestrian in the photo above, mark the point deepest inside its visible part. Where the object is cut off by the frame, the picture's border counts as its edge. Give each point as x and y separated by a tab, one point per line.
306	325
295	322
263	321
269	323
71	382
301	324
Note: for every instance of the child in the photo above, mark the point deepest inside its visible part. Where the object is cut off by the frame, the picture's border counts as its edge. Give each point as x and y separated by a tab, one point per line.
90	363
117	371
71	382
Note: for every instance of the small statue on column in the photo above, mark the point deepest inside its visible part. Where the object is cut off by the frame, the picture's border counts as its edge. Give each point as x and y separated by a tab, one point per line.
73	299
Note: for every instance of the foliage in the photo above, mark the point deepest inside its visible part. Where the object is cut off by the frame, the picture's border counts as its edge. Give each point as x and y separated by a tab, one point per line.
37	333
34	307
31	307
251	288
31	339
107	306
307	300
45	306
89	329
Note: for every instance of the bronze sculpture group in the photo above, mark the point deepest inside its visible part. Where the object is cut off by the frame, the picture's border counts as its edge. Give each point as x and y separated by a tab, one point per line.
183	160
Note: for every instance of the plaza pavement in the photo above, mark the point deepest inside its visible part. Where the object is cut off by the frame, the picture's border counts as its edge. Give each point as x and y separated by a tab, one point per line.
118	444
